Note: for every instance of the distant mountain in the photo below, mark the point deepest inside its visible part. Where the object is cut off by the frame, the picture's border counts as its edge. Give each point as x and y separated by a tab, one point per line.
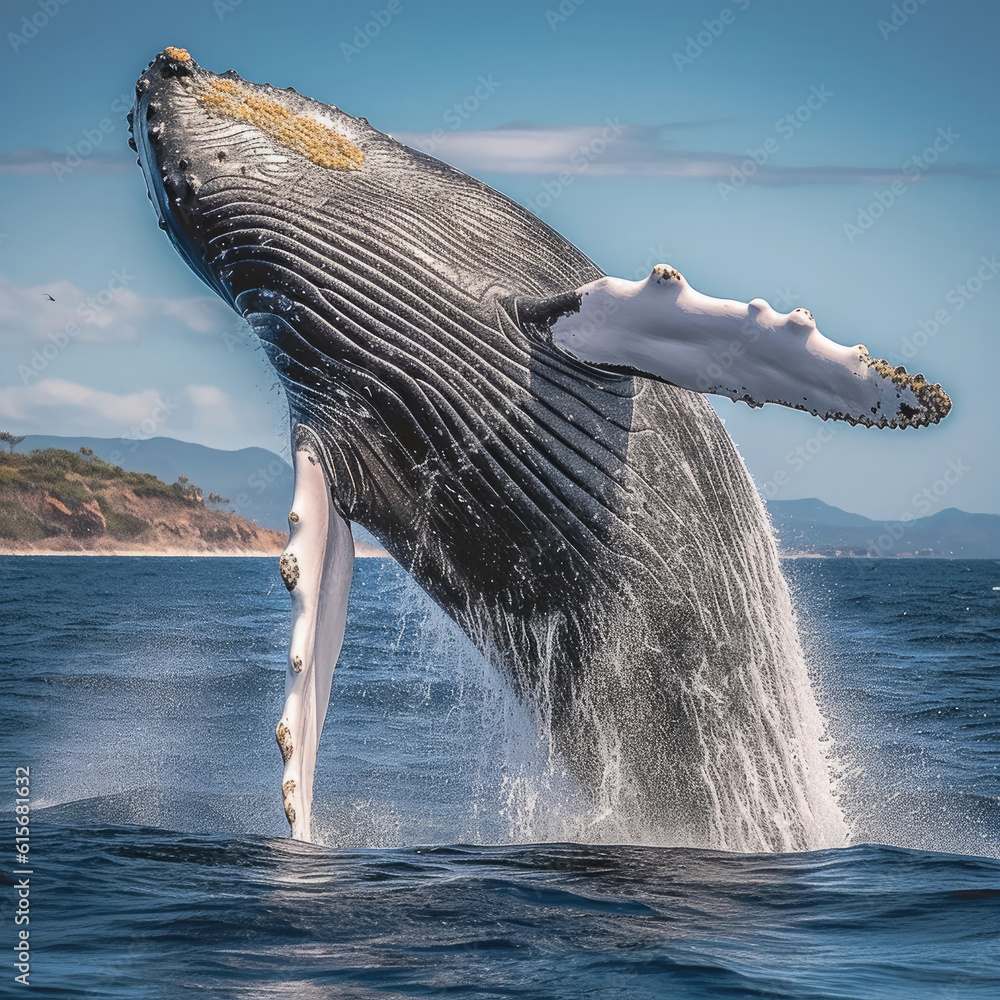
815	528
259	485
814	511
257	482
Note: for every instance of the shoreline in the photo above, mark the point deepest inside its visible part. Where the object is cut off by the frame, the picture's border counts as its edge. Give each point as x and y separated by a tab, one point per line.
362	551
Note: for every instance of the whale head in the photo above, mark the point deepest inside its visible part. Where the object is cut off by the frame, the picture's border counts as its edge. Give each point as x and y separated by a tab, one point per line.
204	138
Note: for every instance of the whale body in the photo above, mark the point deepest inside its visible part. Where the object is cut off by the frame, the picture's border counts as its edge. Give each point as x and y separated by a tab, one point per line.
471	388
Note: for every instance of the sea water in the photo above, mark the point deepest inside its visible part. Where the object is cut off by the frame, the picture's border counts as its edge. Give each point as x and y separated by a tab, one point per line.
454	858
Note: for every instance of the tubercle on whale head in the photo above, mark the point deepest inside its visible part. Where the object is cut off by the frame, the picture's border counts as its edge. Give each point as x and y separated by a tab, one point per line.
195	132
176	54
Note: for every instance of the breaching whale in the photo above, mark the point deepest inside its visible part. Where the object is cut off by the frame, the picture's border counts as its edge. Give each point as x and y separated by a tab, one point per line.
529	438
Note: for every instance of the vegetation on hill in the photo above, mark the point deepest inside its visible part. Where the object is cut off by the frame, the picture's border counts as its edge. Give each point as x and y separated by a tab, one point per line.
51	493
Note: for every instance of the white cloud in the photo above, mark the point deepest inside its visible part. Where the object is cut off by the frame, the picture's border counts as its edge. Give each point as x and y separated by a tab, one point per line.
113	314
212	409
204	314
55	406
613	149
36	161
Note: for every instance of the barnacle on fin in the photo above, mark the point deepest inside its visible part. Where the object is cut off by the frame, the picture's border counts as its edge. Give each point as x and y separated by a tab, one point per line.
935	403
284	737
288	567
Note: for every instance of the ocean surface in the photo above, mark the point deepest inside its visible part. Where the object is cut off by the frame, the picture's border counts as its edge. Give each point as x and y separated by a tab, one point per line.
142	693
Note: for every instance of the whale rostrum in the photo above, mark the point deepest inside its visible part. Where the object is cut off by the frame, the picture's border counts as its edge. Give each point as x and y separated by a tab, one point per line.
529	438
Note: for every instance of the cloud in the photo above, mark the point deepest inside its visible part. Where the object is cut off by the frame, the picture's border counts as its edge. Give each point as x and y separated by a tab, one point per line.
54	403
57	406
34	161
212	408
612	149
606	150
111	315
203	314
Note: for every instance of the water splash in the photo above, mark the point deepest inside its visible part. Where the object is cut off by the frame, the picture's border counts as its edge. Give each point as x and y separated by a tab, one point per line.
496	752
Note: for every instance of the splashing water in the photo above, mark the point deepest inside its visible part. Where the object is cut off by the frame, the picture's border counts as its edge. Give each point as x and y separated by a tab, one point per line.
519	789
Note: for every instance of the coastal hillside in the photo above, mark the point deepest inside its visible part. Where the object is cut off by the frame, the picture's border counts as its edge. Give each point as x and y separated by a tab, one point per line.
53	500
257	481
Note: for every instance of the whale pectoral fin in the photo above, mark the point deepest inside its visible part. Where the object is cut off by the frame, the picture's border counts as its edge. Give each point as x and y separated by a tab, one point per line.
316	566
662	328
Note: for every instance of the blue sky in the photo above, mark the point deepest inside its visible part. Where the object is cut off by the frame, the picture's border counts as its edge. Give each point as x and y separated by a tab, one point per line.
630	127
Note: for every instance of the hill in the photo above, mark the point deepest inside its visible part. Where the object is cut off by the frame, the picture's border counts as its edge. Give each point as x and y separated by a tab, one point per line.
257	482
55	500
811	527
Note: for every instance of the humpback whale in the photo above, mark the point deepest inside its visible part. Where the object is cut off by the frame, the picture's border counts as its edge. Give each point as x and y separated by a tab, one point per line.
530	438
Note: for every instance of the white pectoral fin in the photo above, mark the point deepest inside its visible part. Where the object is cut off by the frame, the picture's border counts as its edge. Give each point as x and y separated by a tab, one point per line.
661	327
316	566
